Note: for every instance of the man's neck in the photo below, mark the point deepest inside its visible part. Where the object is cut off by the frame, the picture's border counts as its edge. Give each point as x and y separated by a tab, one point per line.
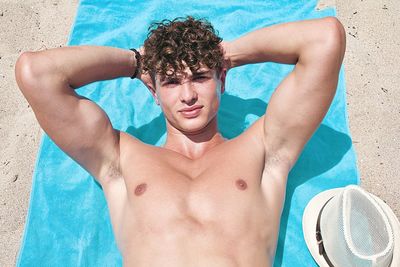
194	145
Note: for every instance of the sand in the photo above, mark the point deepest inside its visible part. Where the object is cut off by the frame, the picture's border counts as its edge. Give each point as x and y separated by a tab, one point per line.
372	79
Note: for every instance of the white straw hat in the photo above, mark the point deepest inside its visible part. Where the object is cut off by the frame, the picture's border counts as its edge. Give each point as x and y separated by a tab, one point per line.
356	228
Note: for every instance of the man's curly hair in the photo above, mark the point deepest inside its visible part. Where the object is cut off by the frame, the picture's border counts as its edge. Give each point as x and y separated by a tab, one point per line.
170	43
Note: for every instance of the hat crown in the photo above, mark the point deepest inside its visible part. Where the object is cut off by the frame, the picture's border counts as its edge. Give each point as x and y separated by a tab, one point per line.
356	231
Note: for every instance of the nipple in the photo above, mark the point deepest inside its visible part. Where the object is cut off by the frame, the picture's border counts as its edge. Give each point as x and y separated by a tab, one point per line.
139	190
241	184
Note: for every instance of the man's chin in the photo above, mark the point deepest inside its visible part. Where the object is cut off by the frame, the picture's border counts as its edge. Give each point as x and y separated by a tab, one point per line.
194	126
192	130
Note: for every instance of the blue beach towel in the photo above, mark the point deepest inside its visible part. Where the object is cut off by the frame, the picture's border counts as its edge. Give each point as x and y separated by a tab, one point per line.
68	222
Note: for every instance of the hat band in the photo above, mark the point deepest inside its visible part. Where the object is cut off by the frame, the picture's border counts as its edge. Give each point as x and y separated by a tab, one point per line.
319	237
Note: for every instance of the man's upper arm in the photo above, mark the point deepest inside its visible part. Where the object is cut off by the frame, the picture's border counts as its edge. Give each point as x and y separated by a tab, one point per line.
301	101
77	125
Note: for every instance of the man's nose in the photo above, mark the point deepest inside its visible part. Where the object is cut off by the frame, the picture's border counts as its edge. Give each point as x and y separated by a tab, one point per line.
188	93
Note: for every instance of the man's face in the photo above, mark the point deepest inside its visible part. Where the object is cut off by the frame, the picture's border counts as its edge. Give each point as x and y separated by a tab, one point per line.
191	100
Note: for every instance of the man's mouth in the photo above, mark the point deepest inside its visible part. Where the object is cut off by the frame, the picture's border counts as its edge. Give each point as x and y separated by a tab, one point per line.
191	112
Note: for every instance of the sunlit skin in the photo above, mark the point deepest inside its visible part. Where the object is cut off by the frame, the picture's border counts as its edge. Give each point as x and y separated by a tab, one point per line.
199	200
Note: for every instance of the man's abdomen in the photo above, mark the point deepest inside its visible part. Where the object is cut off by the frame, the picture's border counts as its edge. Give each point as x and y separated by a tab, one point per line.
192	243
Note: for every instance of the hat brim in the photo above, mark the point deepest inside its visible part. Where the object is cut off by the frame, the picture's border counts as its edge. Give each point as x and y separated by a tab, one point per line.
310	217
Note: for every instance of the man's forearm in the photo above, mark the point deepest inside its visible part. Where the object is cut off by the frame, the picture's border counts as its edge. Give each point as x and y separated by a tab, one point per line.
282	43
81	65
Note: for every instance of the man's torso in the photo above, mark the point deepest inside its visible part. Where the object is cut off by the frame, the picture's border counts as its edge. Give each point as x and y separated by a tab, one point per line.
220	210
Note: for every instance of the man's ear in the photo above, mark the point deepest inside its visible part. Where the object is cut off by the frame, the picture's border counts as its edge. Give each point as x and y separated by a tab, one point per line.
153	93
223	79
148	82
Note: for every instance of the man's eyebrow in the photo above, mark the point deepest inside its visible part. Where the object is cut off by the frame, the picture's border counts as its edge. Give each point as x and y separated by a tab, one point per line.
166	79
201	72
195	74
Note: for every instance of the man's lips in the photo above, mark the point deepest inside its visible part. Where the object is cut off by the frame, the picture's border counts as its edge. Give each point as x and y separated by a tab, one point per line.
191	108
191	112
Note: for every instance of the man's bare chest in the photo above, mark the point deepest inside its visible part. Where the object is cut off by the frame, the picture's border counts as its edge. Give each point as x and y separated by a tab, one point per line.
168	188
220	202
164	195
198	190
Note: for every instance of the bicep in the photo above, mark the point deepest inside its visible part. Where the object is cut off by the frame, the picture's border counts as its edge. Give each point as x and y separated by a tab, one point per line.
298	106
77	125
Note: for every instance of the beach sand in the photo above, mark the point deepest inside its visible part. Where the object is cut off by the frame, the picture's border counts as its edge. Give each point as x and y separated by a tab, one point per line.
372	80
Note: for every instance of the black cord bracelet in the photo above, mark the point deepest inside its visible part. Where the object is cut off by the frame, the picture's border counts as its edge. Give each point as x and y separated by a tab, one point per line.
137	56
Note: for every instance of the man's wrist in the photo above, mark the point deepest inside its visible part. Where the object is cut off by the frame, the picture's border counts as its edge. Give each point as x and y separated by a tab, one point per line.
136	66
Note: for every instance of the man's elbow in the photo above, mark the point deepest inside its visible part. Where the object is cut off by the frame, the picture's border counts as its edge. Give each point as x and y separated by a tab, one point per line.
30	69
334	36
23	70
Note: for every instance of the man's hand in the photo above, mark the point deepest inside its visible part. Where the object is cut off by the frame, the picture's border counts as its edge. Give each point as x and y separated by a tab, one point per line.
227	60
144	77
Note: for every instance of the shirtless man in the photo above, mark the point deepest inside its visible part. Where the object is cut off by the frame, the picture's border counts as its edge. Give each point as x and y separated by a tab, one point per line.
199	200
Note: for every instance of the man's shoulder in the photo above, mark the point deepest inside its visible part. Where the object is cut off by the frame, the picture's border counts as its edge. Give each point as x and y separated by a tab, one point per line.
129	145
254	133
250	142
